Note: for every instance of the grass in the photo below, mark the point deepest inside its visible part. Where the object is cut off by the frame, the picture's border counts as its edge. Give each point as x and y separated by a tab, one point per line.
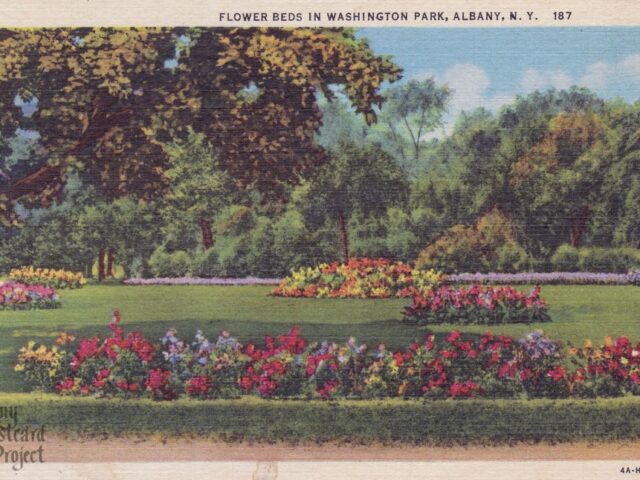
578	312
437	422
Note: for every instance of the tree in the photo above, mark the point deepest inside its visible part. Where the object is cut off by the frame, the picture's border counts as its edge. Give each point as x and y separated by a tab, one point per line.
124	230
107	99
198	190
363	179
559	179
411	111
616	214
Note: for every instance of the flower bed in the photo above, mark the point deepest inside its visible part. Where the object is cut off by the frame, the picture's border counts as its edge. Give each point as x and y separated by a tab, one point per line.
201	281
48	277
552	278
477	305
21	296
359	278
288	367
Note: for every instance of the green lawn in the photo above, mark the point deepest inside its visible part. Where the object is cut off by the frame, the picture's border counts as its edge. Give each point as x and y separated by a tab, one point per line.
578	312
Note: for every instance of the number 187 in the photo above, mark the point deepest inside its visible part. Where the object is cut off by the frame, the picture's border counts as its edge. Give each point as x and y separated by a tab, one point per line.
561	15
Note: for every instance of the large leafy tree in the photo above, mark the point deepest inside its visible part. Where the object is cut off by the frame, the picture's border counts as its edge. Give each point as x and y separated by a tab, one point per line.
199	189
558	180
105	100
358	179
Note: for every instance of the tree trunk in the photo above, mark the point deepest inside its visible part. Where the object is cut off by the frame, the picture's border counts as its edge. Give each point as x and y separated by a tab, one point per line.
344	237
110	258
207	235
101	264
579	226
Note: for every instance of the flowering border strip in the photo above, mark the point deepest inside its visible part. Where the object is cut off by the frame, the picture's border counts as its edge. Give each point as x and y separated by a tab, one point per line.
477	305
288	367
22	296
49	277
358	278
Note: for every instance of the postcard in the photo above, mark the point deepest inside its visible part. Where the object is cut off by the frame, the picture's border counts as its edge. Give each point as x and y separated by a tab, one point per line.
274	240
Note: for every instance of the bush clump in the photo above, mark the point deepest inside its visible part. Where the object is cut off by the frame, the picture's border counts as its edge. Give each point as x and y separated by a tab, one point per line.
488	246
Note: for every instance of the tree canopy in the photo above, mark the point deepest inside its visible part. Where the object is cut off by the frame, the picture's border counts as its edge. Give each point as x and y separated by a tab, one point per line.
103	101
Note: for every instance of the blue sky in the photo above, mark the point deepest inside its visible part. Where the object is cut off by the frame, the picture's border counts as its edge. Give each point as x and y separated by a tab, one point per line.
487	66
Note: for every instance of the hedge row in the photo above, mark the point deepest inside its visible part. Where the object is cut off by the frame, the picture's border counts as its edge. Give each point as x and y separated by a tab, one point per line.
442	422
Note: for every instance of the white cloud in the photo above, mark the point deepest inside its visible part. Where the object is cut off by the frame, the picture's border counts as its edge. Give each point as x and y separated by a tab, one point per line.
622	74
533	79
468	84
596	76
631	66
600	76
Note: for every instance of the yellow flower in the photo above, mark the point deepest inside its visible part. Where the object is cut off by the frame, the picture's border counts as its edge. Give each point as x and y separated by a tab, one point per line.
403	388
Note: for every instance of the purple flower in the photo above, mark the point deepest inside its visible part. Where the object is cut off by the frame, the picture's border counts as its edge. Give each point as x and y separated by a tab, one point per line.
542	278
202	281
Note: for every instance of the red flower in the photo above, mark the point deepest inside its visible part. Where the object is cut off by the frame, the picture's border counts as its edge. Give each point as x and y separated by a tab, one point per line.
506	370
87	348
465	389
398	359
449	354
454	336
157	379
526	374
246	383
198	385
557	373
66	384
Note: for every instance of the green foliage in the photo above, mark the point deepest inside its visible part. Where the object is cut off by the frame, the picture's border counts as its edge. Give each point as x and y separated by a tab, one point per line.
437	422
595	259
107	100
488	246
204	263
565	259
199	190
169	264
512	258
562	166
608	259
119	273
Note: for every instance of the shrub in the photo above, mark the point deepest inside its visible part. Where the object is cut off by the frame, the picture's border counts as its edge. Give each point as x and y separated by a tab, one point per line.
205	264
597	259
565	259
489	245
166	264
511	257
359	278
459	249
441	422
49	277
477	305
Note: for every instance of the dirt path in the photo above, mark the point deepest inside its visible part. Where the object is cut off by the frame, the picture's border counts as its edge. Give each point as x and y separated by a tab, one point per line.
61	449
